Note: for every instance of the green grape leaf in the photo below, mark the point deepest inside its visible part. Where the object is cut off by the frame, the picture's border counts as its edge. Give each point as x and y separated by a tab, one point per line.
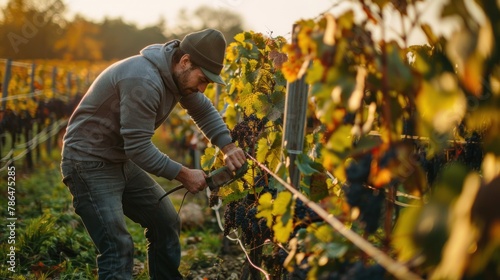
315	73
336	250
306	165
398	69
324	233
318	186
441	103
339	144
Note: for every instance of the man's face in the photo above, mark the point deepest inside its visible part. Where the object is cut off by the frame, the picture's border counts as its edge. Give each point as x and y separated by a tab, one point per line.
190	79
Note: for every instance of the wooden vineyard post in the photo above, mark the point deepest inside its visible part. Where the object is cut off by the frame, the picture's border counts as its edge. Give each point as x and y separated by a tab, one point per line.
5	93
6	81
69	84
28	133
50	126
32	79
294	124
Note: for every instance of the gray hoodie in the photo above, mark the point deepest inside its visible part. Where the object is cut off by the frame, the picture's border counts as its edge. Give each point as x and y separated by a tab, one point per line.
121	110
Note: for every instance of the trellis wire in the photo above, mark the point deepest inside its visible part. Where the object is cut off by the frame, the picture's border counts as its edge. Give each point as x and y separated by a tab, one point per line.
37	140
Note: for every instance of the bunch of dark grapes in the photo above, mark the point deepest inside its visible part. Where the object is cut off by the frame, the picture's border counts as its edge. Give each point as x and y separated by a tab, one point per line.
368	201
302	212
371	210
260	181
251	230
265	231
473	153
274	262
358	171
241	214
300	271
213	200
229	217
370	204
246	132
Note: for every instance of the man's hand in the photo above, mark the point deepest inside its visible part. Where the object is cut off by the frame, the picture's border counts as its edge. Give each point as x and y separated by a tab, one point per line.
234	157
194	180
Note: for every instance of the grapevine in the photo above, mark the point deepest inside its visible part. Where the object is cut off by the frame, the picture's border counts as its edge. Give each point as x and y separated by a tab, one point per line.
394	142
39	96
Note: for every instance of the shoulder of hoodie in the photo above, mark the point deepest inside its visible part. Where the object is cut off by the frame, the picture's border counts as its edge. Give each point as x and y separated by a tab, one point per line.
135	67
146	65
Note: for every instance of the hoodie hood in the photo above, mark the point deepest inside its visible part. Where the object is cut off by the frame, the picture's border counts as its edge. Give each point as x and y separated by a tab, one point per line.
160	55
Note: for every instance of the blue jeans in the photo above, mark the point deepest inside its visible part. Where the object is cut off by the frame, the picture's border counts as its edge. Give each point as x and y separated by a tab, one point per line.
103	194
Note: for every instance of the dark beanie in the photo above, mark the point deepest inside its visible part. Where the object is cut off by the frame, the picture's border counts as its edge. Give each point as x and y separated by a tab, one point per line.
206	49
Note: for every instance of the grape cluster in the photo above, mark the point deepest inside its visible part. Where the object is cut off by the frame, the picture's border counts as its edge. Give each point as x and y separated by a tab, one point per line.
358	171
241	215
246	132
229	217
473	153
368	201
302	212
370	204
213	199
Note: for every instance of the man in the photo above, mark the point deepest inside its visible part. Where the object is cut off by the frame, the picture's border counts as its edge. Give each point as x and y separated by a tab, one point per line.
108	150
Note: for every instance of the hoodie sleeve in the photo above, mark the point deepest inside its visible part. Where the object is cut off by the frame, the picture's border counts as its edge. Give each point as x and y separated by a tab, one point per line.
206	117
138	106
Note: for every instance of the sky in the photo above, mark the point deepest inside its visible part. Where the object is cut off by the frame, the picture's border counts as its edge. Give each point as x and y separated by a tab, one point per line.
262	16
270	17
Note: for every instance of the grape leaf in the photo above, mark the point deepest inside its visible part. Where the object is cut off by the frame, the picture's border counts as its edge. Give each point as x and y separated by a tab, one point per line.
265	208
282	231
324	233
282	203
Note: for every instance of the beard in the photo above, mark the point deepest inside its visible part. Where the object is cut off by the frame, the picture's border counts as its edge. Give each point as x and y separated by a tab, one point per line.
181	79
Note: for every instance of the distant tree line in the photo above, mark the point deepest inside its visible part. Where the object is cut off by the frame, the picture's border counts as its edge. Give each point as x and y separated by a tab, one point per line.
39	29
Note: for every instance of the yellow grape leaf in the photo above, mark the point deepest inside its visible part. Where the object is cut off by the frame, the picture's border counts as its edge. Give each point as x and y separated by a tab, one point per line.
261	105
262	150
265	208
230	117
240	37
273	159
282	203
208	159
282	231
252	64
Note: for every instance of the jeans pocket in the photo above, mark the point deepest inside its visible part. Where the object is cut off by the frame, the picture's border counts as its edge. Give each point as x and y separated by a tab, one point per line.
67	172
89	165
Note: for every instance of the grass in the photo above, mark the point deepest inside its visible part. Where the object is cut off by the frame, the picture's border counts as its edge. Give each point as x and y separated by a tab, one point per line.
51	241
